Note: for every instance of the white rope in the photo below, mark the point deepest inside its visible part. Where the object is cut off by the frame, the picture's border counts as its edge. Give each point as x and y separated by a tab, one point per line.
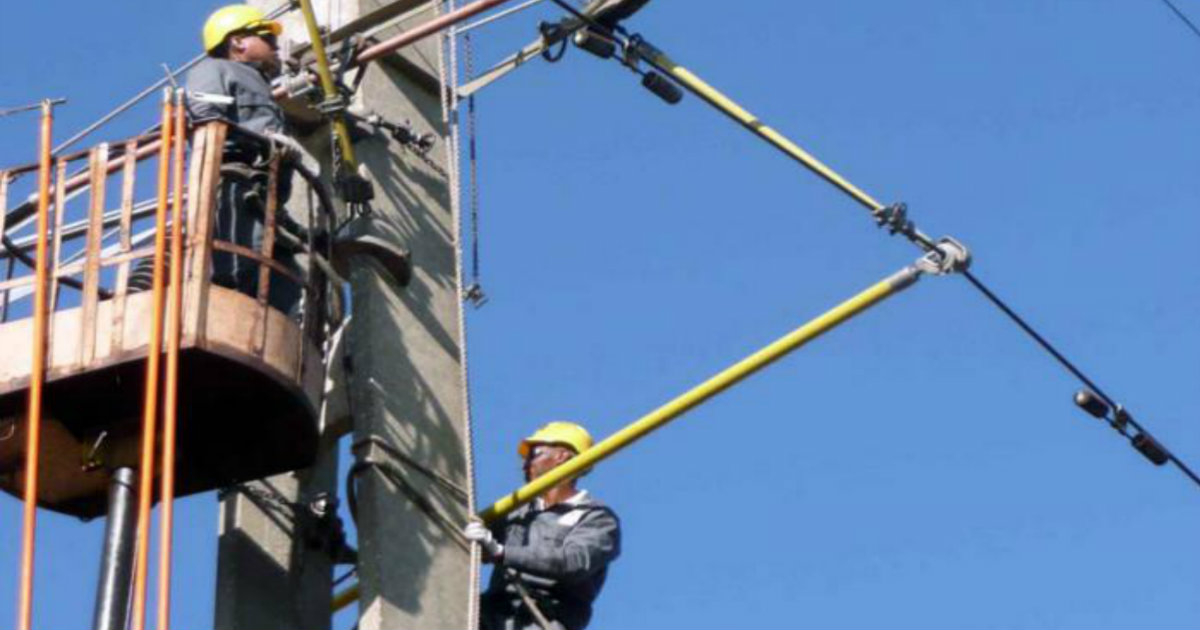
448	79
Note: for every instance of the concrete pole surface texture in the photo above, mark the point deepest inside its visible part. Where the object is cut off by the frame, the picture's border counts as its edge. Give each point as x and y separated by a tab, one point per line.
403	383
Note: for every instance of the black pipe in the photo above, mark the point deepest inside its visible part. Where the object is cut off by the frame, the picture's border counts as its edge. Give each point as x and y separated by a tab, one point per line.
116	567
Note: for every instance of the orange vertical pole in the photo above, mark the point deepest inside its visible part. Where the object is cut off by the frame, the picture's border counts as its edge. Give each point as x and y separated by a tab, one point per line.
150	402
36	375
166	495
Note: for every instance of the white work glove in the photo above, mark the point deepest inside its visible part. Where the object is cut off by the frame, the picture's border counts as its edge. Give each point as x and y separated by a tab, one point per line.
479	533
294	151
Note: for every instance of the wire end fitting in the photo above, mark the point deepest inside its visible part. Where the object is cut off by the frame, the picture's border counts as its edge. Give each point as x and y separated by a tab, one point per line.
946	257
1121	419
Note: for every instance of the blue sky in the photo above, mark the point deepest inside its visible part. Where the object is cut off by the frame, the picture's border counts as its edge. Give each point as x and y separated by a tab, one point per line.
921	467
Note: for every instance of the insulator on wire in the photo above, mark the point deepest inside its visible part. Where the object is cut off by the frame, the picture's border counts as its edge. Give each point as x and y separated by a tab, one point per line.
598	45
1091	403
1150	448
662	87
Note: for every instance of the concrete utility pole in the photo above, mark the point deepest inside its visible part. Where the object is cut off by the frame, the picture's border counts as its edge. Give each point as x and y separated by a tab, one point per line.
404	386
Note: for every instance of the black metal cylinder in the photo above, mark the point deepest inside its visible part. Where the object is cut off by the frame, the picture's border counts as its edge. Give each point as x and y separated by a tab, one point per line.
598	45
1091	403
116	567
662	87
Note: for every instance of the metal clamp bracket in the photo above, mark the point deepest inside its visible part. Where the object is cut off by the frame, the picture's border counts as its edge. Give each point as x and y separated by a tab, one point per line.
947	256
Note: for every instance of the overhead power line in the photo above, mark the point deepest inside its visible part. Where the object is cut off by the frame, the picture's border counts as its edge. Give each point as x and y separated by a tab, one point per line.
1182	17
893	217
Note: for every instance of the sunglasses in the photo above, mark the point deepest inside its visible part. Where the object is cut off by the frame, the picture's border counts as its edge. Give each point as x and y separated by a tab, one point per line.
266	35
538	452
269	37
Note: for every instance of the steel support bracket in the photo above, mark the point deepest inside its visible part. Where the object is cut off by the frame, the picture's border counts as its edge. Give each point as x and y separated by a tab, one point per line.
360	238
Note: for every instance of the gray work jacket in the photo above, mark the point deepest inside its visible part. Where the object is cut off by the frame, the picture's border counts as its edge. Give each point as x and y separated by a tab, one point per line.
561	555
235	92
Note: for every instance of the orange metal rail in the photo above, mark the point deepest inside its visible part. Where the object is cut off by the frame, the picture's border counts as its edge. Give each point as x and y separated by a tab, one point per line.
170	395
150	408
36	376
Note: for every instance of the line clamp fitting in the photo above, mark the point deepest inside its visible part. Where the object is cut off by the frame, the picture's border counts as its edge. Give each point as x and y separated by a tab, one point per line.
947	256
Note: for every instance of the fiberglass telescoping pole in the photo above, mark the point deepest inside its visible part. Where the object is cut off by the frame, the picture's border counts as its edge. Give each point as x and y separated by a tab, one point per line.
947	259
893	217
332	97
638	48
701	393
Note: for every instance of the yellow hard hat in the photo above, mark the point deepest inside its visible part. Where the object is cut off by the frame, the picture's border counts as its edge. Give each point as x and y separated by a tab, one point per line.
233	18
559	433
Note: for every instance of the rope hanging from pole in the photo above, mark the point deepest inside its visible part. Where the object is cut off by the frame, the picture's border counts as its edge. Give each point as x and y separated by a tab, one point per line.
448	82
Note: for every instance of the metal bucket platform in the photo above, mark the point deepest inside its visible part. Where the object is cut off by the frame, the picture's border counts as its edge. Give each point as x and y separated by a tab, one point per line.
250	376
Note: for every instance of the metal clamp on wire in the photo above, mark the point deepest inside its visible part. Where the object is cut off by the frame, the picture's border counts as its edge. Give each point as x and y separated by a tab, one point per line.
946	257
332	106
1141	440
296	85
404	133
895	219
636	48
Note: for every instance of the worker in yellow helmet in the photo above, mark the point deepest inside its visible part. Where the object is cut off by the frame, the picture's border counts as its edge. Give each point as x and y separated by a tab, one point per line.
551	555
233	84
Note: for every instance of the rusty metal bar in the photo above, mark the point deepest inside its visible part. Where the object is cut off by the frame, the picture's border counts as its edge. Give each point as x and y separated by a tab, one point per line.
425	30
415	35
258	332
60	205
79	180
91	267
78	229
150	402
171	392
246	252
4	301
4	180
36	377
128	175
129	256
205	177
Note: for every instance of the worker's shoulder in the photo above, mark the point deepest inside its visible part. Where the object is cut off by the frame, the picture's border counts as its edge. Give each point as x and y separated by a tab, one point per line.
216	67
589	504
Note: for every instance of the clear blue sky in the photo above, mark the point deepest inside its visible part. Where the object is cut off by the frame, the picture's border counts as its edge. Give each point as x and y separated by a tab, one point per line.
922	467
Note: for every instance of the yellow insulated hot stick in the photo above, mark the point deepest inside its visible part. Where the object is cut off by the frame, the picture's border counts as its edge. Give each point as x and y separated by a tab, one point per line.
727	106
701	393
328	87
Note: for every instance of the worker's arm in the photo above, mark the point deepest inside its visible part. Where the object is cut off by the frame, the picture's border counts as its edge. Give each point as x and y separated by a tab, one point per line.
588	547
209	95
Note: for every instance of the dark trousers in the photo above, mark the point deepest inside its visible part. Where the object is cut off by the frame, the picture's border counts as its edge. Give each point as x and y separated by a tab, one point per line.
241	212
